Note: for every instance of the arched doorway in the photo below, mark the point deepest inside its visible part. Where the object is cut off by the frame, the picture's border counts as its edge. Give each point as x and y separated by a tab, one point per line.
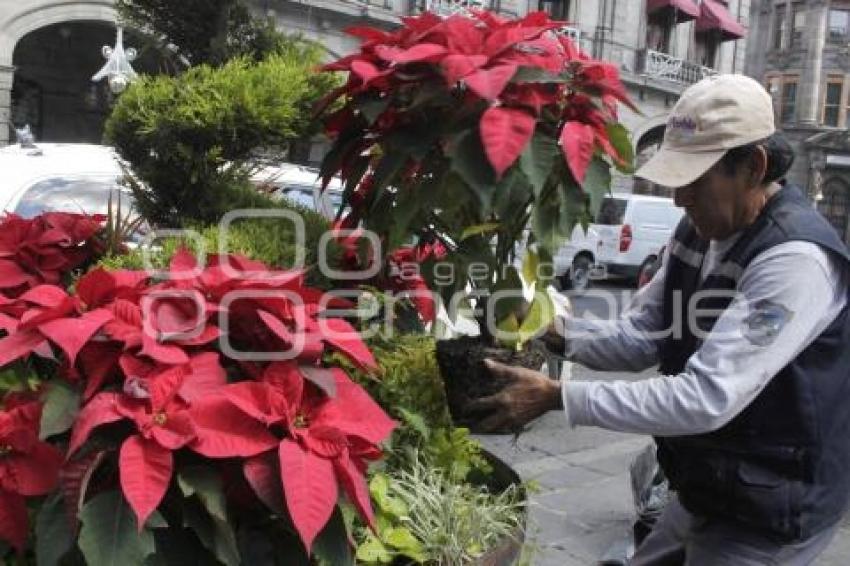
52	89
647	146
835	204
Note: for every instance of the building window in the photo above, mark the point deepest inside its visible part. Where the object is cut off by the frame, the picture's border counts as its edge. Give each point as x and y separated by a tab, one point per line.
799	24
788	100
659	28
835	205
779	27
839	26
706	47
557	9
832	101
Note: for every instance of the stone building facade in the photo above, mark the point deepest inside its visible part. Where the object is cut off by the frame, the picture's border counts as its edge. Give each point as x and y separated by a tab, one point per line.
802	55
50	48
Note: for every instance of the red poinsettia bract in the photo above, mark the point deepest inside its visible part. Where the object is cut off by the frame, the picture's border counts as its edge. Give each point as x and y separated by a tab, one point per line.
28	467
42	249
330	434
512	74
150	353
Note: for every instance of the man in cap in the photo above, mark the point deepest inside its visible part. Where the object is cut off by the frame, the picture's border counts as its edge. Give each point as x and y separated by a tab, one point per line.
748	321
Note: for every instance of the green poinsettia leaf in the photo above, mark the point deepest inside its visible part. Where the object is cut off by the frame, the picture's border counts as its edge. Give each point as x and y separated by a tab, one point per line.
479	229
216	536
597	184
206	484
508	298
470	163
546	220
61	405
540	315
331	546
109	535
622	142
508	329
54	536
538	159
530	267
545	268
535	75
372	108
156	521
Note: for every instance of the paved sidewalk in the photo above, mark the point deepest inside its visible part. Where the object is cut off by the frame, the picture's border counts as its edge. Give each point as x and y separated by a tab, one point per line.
585	503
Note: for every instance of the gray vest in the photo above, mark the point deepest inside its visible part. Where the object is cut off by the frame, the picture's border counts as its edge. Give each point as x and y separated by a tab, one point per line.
782	466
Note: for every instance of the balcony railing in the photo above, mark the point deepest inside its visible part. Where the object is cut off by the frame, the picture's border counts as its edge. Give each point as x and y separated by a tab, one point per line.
657	65
571	32
450	7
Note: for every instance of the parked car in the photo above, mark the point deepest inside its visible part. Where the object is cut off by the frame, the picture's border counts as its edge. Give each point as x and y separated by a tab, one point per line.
300	185
624	240
632	230
60	177
575	261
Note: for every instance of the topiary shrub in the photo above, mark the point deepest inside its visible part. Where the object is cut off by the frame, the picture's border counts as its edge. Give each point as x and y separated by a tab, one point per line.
270	240
191	139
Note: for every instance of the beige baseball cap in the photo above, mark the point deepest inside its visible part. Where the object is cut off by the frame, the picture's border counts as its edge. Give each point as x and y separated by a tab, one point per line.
711	117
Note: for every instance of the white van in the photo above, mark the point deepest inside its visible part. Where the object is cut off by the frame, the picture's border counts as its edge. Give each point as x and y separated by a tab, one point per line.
625	239
632	229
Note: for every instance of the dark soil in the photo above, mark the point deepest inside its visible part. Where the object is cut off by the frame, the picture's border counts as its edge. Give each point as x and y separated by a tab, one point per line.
461	362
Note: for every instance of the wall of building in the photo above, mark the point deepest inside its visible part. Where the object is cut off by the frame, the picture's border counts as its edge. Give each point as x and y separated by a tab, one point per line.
17	19
610	29
812	61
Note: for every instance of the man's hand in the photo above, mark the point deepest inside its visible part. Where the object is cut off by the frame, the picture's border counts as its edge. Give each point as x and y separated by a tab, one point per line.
528	395
554	338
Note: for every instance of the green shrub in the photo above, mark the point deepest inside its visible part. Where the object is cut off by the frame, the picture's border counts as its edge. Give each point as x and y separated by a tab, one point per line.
191	139
410	378
270	240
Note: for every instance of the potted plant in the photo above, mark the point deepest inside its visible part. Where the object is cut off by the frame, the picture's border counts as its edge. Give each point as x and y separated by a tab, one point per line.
150	417
480	133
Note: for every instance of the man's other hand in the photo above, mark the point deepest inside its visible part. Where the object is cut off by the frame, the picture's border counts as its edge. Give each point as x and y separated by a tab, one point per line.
527	395
554	338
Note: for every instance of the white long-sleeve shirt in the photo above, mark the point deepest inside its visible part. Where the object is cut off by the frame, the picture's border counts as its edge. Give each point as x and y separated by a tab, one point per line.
800	285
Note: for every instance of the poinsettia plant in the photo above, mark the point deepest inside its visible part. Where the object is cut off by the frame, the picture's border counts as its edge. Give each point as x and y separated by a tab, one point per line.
481	132
44	248
399	278
202	403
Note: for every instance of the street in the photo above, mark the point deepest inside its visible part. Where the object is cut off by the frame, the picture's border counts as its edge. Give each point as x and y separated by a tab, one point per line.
584	504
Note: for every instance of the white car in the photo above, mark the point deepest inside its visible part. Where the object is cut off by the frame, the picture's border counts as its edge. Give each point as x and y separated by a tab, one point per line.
300	185
60	177
625	239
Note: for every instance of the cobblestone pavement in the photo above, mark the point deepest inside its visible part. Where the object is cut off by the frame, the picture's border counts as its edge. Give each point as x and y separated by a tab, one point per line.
584	503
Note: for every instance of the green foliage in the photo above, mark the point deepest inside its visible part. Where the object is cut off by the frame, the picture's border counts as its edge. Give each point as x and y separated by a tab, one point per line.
270	240
425	515
410	378
109	535
392	539
191	139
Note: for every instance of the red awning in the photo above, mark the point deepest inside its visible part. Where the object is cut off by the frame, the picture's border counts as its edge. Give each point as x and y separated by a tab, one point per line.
714	16
685	9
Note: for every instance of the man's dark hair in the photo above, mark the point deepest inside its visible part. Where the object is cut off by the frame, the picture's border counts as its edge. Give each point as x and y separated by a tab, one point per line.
780	156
